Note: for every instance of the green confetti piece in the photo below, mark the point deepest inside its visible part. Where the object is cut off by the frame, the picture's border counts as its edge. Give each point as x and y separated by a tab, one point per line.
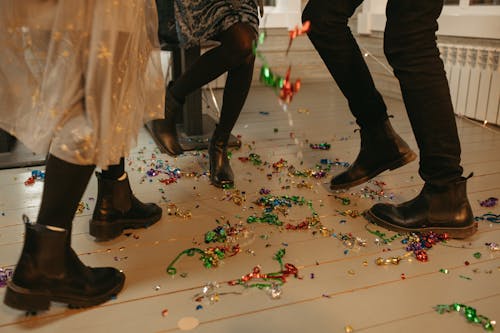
470	314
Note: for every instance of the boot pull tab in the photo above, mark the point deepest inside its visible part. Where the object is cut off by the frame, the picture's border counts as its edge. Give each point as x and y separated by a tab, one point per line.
469	176
26	219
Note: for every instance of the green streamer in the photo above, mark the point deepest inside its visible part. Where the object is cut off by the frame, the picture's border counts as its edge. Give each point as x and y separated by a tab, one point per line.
265	218
382	235
278	256
469	312
189	252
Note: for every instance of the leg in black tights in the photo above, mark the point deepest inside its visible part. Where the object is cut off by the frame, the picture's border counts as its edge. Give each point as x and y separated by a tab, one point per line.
236	90
115	171
64	186
235	56
235	50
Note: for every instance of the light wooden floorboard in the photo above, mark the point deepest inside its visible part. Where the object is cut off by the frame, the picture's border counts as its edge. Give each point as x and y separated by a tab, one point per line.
348	288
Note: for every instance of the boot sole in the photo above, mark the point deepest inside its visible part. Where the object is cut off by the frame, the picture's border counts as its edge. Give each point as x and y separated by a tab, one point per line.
104	230
453	232
405	159
32	301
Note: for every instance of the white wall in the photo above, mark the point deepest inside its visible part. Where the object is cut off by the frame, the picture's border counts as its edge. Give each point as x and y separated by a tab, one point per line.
460	21
286	14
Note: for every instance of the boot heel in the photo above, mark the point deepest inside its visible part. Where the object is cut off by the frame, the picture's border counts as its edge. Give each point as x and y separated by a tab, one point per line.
25	301
407	158
104	231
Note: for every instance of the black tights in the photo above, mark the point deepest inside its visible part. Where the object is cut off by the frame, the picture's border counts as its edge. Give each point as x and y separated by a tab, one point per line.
234	56
115	171
64	186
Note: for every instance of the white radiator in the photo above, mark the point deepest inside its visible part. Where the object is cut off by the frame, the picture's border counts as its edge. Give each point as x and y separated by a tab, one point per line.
473	73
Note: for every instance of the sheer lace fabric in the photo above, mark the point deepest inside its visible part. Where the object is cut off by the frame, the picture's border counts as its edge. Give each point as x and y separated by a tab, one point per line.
79	78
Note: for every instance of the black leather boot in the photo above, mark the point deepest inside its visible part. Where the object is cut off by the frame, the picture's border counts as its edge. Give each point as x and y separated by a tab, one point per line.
221	174
117	209
443	209
164	131
50	271
381	149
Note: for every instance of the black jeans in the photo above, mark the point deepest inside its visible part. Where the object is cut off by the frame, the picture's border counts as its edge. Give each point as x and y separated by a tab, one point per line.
410	48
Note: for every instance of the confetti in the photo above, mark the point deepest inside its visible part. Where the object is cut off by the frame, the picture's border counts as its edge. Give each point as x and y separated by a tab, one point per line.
297	31
490	217
492	246
490	202
285	88
172	209
391	260
210	256
5	275
272	281
320	146
470	314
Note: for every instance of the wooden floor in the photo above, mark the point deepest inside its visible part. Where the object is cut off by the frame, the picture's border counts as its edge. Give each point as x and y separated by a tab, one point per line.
339	289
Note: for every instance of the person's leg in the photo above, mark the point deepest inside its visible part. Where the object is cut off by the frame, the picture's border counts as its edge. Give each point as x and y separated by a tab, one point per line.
239	38
381	148
116	171
333	39
410	47
117	208
63	188
48	269
234	51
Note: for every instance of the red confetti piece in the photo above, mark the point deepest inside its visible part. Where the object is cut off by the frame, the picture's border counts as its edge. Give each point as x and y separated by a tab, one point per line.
297	32
289	89
289	269
421	255
29	181
168	181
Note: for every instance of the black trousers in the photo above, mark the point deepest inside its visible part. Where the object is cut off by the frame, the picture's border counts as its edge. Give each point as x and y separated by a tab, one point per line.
410	48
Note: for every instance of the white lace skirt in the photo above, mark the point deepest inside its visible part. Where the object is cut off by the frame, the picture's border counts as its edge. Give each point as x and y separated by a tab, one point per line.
78	78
